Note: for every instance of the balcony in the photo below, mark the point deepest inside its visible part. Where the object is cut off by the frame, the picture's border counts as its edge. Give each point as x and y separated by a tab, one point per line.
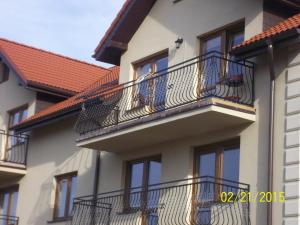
9	220
200	95
13	153
197	201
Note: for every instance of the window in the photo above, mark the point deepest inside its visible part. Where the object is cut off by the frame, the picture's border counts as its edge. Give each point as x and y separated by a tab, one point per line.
4	72
65	192
15	117
151	93
219	44
141	175
8	203
221	160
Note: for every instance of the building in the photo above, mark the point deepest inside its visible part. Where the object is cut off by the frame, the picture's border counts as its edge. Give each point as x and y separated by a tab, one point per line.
33	80
205	113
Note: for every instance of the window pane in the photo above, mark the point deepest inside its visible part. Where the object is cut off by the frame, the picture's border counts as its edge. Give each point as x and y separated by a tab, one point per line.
143	70
24	115
4	203
154	172
13	206
137	171
143	87
15	118
160	83
213	44
231	164
72	194
62	198
207	165
154	178
236	39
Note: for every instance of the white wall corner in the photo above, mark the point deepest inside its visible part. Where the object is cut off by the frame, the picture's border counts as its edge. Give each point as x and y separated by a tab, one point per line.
292	156
292	221
293	121
291	208
292	139
292	173
292	190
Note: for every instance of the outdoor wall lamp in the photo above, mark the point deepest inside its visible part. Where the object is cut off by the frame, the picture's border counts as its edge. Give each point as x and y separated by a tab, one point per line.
178	42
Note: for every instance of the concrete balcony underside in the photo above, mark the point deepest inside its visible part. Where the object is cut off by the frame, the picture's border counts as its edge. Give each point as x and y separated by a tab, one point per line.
201	117
10	171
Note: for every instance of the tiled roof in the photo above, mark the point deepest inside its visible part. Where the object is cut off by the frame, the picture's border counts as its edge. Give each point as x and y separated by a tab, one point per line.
284	26
44	69
74	102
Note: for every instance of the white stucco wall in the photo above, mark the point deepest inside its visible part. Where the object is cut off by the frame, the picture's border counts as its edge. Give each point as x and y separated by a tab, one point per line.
13	95
187	19
52	152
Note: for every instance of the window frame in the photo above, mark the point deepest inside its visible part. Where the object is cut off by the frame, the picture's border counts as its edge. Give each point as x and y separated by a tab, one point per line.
14	111
225	33
151	59
58	178
5	70
146	161
145	179
218	148
10	190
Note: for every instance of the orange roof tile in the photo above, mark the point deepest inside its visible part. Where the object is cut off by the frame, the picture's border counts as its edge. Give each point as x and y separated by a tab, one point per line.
282	27
74	102
40	68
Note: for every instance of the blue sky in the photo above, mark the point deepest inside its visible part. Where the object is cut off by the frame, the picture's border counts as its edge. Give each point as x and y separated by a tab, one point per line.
69	27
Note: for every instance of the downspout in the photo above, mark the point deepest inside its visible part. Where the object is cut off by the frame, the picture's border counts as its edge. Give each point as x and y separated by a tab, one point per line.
271	128
95	188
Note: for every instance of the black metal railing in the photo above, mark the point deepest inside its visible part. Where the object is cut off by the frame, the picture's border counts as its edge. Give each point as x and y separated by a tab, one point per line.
210	75
9	220
197	201
13	147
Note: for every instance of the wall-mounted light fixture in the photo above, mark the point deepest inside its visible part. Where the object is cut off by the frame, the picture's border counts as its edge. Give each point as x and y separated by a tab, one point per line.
178	42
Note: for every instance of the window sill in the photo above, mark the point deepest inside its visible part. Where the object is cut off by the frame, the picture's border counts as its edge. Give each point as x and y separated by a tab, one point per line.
58	220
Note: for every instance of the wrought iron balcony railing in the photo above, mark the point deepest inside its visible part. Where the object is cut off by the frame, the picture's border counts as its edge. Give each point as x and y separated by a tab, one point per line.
13	147
194	80
9	220
196	201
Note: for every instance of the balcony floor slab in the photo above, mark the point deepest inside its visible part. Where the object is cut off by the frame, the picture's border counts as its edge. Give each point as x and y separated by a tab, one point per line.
185	121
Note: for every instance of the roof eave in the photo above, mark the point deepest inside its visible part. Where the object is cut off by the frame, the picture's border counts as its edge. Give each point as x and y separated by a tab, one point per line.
257	47
25	127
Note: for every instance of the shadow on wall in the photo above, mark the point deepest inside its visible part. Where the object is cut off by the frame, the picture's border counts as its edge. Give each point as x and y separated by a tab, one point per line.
43	210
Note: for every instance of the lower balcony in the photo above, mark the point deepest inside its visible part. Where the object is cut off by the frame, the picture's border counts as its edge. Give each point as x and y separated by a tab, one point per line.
197	201
200	95
9	220
13	154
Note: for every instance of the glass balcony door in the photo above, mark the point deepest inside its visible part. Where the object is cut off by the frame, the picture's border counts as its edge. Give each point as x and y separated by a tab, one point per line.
143	196
8	205
220	161
152	84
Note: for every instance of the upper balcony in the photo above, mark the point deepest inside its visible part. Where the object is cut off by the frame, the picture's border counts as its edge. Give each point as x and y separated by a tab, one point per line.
203	94
196	201
13	153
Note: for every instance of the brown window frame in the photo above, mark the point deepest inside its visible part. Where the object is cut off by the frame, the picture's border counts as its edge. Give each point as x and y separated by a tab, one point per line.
145	181
147	60
9	126
217	148
5	72
59	178
14	111
10	190
226	33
